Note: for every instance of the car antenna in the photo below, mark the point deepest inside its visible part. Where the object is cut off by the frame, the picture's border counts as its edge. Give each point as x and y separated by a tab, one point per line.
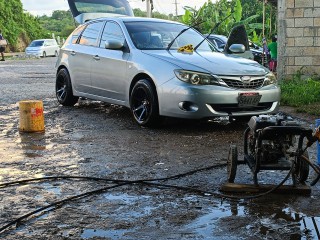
182	31
213	29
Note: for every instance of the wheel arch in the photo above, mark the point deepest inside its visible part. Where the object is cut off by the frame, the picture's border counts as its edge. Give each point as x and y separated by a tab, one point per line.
61	67
65	67
139	77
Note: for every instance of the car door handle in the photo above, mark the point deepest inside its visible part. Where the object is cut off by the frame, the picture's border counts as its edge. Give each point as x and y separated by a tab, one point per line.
96	57
73	53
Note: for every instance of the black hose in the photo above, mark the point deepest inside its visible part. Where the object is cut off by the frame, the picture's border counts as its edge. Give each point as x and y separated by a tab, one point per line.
3	185
315	167
53	206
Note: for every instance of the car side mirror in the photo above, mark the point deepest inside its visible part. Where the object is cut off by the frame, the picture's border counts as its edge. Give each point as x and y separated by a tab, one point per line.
114	44
237	48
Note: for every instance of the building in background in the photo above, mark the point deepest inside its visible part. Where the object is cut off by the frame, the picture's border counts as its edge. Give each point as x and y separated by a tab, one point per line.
298	37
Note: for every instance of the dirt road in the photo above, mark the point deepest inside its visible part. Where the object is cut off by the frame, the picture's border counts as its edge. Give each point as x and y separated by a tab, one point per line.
94	139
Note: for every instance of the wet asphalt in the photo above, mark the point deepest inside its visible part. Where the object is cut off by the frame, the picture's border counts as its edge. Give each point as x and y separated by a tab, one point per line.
95	139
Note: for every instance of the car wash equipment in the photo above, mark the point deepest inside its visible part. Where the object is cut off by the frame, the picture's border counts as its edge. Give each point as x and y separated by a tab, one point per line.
275	142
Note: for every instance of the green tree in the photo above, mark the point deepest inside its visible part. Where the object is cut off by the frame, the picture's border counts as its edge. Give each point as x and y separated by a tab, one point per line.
16	25
246	12
61	23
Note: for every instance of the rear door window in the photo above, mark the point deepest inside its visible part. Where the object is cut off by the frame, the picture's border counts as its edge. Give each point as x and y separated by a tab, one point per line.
91	34
76	33
112	31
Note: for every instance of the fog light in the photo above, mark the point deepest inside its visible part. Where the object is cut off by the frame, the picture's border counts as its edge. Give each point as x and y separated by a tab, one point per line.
188	106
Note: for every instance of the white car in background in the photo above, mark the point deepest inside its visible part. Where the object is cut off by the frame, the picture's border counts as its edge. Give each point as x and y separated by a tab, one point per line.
43	48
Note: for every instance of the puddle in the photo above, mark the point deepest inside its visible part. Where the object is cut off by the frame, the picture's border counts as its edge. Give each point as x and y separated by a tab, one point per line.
51	188
125	198
94	233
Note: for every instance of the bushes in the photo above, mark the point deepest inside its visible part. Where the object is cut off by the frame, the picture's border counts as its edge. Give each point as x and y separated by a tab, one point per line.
14	23
302	94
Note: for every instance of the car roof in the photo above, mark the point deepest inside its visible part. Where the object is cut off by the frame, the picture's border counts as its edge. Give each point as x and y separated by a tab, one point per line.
217	36
44	39
134	19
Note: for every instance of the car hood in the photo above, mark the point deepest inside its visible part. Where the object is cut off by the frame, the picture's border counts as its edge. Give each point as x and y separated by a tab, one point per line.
215	63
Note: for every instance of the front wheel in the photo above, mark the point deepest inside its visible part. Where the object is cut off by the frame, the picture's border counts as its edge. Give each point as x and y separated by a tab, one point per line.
64	92
144	104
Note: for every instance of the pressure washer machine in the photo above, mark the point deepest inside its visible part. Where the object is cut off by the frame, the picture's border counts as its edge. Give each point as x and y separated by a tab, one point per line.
274	142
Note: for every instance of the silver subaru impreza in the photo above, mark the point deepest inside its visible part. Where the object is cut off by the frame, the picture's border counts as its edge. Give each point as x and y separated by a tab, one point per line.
161	68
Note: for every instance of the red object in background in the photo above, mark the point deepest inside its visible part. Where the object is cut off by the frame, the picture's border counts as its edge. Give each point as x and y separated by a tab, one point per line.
273	65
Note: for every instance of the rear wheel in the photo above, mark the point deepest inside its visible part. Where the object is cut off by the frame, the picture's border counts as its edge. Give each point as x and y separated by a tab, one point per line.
144	104
64	92
232	162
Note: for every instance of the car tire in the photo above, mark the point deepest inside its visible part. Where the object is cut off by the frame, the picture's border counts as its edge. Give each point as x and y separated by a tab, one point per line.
302	170
144	104
64	92
44	54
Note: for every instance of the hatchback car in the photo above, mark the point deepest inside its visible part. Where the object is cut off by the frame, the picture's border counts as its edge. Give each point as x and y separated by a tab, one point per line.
43	48
161	68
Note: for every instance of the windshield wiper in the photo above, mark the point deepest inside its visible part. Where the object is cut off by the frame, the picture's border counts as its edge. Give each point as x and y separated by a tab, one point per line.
182	31
213	29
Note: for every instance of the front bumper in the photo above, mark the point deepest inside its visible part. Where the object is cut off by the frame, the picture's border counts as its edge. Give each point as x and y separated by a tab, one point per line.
182	100
33	53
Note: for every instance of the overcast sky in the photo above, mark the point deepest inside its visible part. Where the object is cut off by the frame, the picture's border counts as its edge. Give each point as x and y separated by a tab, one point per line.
41	7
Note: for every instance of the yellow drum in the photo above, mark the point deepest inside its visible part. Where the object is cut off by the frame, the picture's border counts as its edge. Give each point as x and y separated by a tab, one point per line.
31	116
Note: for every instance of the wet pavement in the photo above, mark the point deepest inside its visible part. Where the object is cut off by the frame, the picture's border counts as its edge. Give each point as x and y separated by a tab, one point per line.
95	139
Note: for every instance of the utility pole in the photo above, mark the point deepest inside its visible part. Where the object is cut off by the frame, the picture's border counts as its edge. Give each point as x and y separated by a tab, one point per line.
148	8
176	3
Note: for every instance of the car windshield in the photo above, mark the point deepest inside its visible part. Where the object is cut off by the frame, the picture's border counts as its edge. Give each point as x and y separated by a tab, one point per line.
158	35
106	6
36	44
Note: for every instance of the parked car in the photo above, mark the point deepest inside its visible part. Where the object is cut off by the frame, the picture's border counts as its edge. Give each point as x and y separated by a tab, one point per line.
43	48
128	61
257	51
220	41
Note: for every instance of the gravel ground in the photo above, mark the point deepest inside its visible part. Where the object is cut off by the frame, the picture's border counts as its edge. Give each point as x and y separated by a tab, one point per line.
95	139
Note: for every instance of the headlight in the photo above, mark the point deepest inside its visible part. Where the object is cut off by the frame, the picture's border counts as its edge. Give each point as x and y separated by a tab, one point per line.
270	79
196	78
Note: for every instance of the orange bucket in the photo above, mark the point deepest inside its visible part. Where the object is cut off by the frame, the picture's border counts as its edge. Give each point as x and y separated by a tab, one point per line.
31	116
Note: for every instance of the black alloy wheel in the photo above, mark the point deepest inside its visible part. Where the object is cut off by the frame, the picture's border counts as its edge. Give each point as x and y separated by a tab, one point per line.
64	92
144	104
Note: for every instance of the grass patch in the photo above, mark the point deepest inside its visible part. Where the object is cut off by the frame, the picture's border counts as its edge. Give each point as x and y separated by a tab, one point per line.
302	94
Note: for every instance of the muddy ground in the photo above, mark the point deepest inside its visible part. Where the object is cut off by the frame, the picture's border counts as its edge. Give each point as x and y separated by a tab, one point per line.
95	139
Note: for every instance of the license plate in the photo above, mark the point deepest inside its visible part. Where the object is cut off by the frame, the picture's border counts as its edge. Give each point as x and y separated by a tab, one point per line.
248	99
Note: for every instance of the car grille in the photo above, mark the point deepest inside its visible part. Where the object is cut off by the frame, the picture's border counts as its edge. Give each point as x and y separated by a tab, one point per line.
236	82
231	108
